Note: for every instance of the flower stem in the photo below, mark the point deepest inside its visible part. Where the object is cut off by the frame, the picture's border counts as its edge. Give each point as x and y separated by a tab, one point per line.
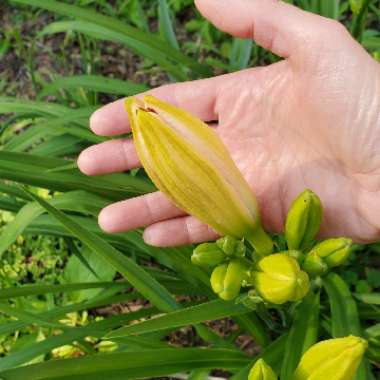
260	241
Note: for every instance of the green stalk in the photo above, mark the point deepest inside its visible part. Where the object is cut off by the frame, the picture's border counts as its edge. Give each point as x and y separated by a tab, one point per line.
260	241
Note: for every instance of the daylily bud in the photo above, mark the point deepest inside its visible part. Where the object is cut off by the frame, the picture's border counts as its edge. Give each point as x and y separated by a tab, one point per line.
336	359
314	265
333	251
188	162
261	371
208	255
279	279
327	254
226	279
231	246
303	220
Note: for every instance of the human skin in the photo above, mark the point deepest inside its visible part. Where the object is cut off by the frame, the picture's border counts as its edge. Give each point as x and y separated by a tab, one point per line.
311	120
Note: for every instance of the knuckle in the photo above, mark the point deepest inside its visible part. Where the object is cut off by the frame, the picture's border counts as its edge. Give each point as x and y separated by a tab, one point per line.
334	28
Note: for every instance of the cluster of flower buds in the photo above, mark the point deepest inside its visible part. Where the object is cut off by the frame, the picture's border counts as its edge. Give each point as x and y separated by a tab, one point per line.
225	256
279	277
336	359
188	162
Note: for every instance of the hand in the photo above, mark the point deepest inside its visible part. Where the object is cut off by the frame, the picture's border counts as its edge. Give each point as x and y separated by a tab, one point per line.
309	121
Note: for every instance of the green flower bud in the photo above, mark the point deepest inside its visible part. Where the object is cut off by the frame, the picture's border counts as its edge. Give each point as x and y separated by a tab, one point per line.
261	371
303	220
327	254
226	279
335	359
333	251
314	265
279	279
231	246
207	255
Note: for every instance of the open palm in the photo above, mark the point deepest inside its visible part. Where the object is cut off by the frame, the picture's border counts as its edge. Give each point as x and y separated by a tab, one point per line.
309	121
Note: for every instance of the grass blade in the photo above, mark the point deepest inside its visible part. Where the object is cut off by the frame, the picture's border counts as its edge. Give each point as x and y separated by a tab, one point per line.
95	83
212	310
165	24
344	313
139	364
302	335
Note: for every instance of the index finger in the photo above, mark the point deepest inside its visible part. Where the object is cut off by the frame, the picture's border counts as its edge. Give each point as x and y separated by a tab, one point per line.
197	97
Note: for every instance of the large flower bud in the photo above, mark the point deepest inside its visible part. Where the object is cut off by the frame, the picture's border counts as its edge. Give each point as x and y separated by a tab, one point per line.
335	359
279	279
303	220
188	162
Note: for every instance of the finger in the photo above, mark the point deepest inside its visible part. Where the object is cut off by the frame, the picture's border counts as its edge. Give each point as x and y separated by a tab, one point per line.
279	27
178	231
137	212
197	97
109	157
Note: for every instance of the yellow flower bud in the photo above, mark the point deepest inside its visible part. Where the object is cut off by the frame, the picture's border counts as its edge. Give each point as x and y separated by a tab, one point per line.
261	371
303	220
189	163
226	279
335	359
279	279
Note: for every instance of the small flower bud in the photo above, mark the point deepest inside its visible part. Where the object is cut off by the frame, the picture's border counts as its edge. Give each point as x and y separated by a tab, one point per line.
226	279
303	220
279	279
327	254
207	255
314	265
261	371
333	251
231	246
336	359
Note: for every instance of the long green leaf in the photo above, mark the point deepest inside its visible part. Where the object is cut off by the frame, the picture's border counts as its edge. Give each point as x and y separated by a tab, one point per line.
28	317
140	364
344	314
165	24
28	290
95	83
139	278
212	310
36	171
302	335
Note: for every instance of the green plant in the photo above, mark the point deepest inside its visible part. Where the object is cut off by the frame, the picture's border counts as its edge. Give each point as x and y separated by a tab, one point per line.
57	314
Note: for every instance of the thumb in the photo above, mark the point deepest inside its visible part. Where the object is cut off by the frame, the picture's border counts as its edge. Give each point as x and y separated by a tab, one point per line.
279	27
